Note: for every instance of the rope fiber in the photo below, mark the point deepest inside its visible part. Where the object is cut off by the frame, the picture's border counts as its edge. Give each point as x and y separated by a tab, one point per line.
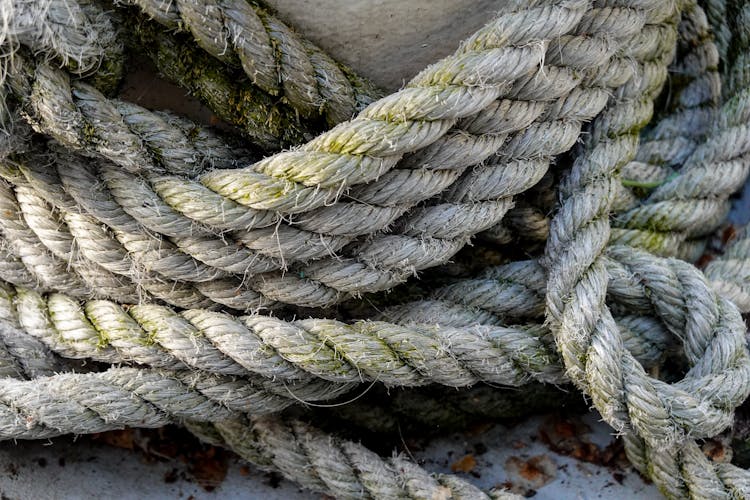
220	279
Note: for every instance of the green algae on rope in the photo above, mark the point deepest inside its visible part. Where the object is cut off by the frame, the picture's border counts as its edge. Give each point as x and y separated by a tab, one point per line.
443	328
265	120
274	58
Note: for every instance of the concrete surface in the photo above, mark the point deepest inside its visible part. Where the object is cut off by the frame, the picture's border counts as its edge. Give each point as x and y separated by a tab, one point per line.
33	470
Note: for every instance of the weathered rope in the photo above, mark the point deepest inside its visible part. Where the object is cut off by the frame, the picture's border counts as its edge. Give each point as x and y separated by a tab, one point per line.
101	403
333	466
274	57
730	272
266	120
685	471
581	226
83	403
301	350
716	12
434	233
80	226
570	16
336	467
366	147
146	263
693	202
662	149
663	296
76	33
646	410
442	249
437	341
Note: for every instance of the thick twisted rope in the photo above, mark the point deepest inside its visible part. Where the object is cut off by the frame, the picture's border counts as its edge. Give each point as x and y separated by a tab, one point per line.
686	472
333	466
667	145
693	111
81	118
457	338
76	33
434	233
581	226
149	264
100	403
49	81
84	403
587	337
570	15
368	146
262	118
48	255
300	350
274	57
716	12
694	202
498	208
661	294
125	397
699	405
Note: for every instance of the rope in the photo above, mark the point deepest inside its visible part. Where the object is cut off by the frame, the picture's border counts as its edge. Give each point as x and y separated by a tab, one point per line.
647	410
696	201
273	56
682	204
341	468
434	233
129	206
264	119
79	35
465	334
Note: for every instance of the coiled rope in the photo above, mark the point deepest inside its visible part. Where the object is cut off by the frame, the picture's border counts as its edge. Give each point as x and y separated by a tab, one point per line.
139	239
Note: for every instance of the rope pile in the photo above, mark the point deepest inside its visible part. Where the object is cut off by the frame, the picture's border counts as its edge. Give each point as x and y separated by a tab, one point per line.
312	247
